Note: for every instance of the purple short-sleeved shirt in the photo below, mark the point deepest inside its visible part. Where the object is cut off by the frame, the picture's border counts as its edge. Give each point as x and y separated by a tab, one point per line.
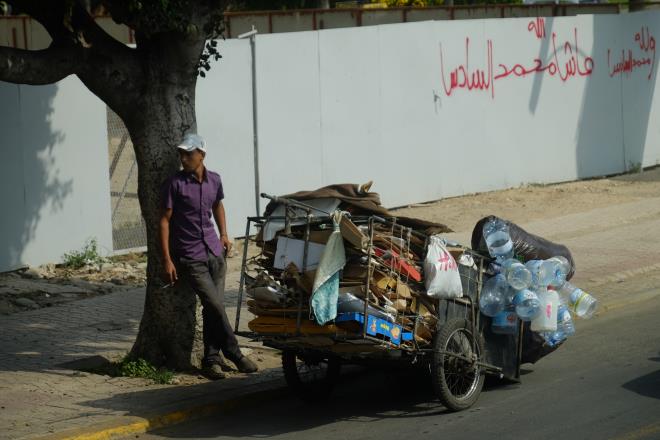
191	226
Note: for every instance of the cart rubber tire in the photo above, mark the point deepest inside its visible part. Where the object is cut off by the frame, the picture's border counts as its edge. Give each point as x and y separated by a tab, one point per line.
457	382
311	377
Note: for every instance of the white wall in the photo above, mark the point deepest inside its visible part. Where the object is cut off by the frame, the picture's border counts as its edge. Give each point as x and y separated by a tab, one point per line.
352	105
54	183
641	89
224	118
372	104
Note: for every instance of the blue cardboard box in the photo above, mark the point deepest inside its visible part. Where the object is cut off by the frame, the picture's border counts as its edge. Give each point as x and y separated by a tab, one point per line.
378	327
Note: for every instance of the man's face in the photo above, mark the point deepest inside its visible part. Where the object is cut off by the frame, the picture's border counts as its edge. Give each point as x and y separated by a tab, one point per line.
191	160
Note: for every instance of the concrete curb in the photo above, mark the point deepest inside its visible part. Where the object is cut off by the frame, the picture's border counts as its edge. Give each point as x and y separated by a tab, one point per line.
121	426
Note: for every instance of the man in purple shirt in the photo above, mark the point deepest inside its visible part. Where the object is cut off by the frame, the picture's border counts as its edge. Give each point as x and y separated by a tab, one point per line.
192	250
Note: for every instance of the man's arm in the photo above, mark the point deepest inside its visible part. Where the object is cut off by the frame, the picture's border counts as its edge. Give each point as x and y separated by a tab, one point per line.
169	271
219	216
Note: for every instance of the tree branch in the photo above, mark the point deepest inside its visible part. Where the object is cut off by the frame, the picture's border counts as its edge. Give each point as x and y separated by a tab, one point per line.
92	34
37	67
80	46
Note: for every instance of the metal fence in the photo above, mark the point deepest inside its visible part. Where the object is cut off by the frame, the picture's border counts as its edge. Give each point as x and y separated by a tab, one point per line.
128	229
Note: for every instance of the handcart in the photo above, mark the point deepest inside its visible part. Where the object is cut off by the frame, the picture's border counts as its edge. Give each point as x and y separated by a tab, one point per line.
448	337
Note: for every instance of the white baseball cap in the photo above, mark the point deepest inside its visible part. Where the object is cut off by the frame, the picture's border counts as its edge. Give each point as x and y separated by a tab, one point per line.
191	142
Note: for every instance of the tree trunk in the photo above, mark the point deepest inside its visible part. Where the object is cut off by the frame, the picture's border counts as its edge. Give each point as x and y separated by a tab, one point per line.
152	89
170	329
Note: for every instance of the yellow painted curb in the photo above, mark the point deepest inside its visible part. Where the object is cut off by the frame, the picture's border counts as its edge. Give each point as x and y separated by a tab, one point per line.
123	426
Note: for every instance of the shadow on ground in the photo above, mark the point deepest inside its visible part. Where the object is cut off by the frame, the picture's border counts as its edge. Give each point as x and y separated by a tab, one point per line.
647	385
363	397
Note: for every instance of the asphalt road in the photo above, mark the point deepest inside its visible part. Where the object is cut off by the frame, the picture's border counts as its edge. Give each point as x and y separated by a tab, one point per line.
604	383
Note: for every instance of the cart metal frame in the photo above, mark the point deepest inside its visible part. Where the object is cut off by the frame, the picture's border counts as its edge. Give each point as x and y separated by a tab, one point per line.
385	351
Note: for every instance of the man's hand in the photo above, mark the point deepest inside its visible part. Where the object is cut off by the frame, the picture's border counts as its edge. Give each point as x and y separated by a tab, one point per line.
169	273
227	244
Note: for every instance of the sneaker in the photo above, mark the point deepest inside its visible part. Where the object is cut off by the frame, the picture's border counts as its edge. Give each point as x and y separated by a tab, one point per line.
213	372
245	365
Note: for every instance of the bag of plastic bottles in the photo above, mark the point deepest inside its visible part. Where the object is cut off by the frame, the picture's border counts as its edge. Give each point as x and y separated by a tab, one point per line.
526	246
441	275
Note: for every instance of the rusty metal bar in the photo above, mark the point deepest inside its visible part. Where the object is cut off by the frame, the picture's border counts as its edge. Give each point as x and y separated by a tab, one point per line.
302	273
241	285
368	283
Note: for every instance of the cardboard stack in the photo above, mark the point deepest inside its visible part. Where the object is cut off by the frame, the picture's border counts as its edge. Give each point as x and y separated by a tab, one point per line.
383	268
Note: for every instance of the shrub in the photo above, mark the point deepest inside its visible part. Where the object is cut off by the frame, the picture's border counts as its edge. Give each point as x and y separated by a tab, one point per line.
87	256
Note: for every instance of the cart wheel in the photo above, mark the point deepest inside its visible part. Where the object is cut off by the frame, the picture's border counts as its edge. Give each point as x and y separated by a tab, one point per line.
311	377
457	380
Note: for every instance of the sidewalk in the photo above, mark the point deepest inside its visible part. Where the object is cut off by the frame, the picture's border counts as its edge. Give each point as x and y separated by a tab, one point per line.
617	250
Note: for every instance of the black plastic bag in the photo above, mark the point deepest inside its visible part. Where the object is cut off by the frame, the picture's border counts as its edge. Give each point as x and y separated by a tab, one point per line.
534	347
526	246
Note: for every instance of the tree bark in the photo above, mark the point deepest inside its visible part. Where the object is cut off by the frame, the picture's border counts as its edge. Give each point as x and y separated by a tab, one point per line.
170	329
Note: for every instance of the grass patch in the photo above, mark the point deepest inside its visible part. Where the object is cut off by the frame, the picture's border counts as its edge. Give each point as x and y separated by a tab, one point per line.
128	367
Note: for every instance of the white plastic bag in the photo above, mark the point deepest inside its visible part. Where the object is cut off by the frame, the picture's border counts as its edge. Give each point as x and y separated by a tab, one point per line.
441	272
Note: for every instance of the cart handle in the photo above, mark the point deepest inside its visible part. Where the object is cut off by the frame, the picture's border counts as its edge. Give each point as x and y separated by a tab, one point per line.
294	203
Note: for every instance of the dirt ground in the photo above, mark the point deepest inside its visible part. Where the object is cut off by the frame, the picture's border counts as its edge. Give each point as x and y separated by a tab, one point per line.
535	202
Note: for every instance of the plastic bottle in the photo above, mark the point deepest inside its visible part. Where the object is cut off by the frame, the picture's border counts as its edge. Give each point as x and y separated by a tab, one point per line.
497	238
565	327
564	321
492	299
578	301
560	269
546	320
527	304
516	274
543	272
505	322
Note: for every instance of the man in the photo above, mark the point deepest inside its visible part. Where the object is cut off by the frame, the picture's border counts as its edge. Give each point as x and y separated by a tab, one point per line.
192	250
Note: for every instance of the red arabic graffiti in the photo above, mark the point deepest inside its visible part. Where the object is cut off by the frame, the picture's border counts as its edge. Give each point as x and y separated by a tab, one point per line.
564	63
572	65
538	27
461	77
629	63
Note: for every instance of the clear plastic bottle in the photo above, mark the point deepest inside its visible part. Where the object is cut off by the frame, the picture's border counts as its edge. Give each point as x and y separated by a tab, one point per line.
564	321
546	320
527	304
578	301
493	295
543	272
565	327
560	269
497	238
516	274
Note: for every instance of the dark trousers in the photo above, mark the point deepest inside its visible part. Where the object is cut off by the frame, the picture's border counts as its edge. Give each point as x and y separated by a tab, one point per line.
207	279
